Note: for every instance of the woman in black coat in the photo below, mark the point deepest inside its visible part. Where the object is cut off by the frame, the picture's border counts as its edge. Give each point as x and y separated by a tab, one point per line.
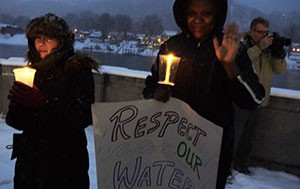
213	72
52	151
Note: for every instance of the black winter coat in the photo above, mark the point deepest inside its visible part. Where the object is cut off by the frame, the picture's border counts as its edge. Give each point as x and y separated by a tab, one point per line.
202	82
52	151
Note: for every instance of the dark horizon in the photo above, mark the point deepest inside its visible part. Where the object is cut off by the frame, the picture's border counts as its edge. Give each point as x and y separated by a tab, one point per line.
18	8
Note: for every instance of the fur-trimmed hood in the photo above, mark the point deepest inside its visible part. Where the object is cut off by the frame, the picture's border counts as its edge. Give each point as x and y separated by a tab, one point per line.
81	61
68	61
52	26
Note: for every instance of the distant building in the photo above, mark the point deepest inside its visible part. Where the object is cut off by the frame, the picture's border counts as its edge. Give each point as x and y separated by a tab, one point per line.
10	29
115	37
81	35
96	36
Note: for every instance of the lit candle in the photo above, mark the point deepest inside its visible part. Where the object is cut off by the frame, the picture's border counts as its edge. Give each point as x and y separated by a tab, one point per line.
25	75
168	71
168	68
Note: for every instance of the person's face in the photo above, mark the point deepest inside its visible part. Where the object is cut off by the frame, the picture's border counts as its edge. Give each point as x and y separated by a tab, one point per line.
258	32
200	18
44	45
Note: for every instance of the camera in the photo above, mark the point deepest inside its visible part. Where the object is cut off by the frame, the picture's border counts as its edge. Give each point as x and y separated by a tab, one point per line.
281	40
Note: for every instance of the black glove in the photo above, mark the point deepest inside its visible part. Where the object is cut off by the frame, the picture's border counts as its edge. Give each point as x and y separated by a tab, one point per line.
162	93
277	50
26	96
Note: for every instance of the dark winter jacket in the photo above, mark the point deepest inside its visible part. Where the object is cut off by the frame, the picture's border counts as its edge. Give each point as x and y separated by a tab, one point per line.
52	152
201	81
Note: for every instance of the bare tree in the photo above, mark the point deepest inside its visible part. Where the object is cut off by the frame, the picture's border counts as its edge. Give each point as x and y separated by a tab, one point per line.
21	21
87	20
151	25
123	23
73	20
6	19
104	23
292	32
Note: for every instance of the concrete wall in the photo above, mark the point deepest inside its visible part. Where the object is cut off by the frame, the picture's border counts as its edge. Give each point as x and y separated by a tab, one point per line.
277	135
6	81
121	88
277	130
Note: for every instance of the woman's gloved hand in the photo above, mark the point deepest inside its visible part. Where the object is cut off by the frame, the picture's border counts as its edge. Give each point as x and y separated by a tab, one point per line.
26	96
162	93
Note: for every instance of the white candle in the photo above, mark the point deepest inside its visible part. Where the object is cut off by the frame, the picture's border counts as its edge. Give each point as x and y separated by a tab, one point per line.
168	69
25	75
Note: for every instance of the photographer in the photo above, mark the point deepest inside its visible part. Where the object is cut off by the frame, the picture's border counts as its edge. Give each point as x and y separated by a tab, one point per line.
268	57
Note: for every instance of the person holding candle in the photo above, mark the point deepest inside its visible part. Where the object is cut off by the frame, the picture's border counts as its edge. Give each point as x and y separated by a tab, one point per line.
213	72
51	150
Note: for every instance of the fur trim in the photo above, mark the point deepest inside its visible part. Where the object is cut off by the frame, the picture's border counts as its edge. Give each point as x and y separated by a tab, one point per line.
81	61
68	60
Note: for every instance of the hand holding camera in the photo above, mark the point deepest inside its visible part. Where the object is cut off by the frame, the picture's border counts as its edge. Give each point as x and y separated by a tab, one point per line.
275	43
265	42
277	47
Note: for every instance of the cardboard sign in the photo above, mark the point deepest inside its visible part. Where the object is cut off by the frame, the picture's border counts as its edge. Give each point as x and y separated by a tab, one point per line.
151	144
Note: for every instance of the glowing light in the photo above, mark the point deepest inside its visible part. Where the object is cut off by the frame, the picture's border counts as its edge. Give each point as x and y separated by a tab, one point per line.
25	75
168	68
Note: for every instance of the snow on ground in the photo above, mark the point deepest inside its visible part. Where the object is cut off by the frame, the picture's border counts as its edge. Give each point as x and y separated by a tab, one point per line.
18	39
261	178
7	165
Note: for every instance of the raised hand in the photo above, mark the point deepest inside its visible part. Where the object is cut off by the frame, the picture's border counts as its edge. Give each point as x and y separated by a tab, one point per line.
227	50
